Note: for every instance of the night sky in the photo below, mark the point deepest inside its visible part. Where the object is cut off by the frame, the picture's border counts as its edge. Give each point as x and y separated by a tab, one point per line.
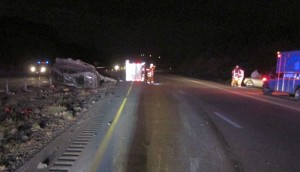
210	36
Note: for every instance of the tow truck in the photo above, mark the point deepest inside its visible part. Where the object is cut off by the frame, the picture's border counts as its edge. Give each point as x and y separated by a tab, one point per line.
287	76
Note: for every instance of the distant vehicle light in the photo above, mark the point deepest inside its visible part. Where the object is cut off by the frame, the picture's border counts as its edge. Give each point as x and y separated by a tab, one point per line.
32	69
264	79
117	67
43	69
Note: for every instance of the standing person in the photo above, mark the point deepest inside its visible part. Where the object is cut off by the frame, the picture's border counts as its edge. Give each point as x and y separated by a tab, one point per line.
150	74
237	76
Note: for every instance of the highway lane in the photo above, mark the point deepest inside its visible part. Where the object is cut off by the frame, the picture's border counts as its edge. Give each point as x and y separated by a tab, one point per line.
260	133
172	136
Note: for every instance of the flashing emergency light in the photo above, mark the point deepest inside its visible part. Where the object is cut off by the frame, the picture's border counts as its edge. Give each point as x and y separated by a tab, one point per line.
278	54
43	62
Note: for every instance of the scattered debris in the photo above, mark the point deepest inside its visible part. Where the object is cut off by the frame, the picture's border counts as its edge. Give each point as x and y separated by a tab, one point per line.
42	166
30	119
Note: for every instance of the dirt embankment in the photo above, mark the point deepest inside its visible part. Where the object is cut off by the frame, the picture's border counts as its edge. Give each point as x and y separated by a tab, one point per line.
30	119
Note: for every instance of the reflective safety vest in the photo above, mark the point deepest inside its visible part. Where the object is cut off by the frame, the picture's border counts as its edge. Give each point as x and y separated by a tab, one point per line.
238	73
150	72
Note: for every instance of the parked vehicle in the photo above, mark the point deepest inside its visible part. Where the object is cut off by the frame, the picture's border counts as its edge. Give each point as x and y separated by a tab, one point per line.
287	77
254	82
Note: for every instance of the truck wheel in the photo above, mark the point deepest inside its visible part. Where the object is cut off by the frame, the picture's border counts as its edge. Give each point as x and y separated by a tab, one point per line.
266	89
297	94
249	83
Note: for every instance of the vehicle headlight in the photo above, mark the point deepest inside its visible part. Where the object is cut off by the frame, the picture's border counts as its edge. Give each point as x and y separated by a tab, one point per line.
43	69
32	69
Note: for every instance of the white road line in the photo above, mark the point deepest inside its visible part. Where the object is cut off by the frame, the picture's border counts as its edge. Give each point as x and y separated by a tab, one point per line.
228	120
249	96
181	92
186	124
194	164
159	159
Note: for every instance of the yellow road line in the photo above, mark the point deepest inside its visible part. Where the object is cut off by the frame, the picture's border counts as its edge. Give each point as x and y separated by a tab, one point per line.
103	146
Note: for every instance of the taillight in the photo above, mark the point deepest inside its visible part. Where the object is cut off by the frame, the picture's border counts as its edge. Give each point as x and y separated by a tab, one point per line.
264	79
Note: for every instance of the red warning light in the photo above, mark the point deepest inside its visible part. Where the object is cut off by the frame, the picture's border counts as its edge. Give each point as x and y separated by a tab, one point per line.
278	54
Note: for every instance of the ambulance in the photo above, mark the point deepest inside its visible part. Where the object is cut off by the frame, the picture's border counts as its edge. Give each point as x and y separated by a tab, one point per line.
287	76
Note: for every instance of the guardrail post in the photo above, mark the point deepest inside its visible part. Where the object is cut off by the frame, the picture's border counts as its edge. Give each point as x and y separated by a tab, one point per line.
6	86
39	80
25	85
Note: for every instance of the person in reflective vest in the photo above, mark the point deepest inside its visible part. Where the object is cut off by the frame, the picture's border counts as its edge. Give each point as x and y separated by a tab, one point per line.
150	74
237	76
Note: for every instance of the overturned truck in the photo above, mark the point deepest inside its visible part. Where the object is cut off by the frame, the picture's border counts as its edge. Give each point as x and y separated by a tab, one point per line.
76	73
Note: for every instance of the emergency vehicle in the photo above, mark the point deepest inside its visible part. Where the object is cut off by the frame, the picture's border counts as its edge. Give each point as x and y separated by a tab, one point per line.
40	67
287	76
135	71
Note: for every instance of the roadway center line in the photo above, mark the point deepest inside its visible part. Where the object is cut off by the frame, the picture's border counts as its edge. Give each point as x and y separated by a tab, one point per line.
228	120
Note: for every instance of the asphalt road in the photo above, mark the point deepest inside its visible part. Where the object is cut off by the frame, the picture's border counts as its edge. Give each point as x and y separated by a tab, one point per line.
194	125
180	124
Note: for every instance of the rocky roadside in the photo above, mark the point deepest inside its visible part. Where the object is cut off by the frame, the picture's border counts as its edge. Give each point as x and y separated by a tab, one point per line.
30	119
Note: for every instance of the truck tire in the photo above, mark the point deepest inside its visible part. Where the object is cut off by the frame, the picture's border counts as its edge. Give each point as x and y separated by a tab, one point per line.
297	94
266	89
249	83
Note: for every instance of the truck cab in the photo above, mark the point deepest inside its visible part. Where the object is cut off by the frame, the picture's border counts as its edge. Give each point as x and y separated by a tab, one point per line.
287	76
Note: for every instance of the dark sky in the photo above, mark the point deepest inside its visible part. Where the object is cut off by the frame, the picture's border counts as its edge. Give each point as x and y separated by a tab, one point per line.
169	28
